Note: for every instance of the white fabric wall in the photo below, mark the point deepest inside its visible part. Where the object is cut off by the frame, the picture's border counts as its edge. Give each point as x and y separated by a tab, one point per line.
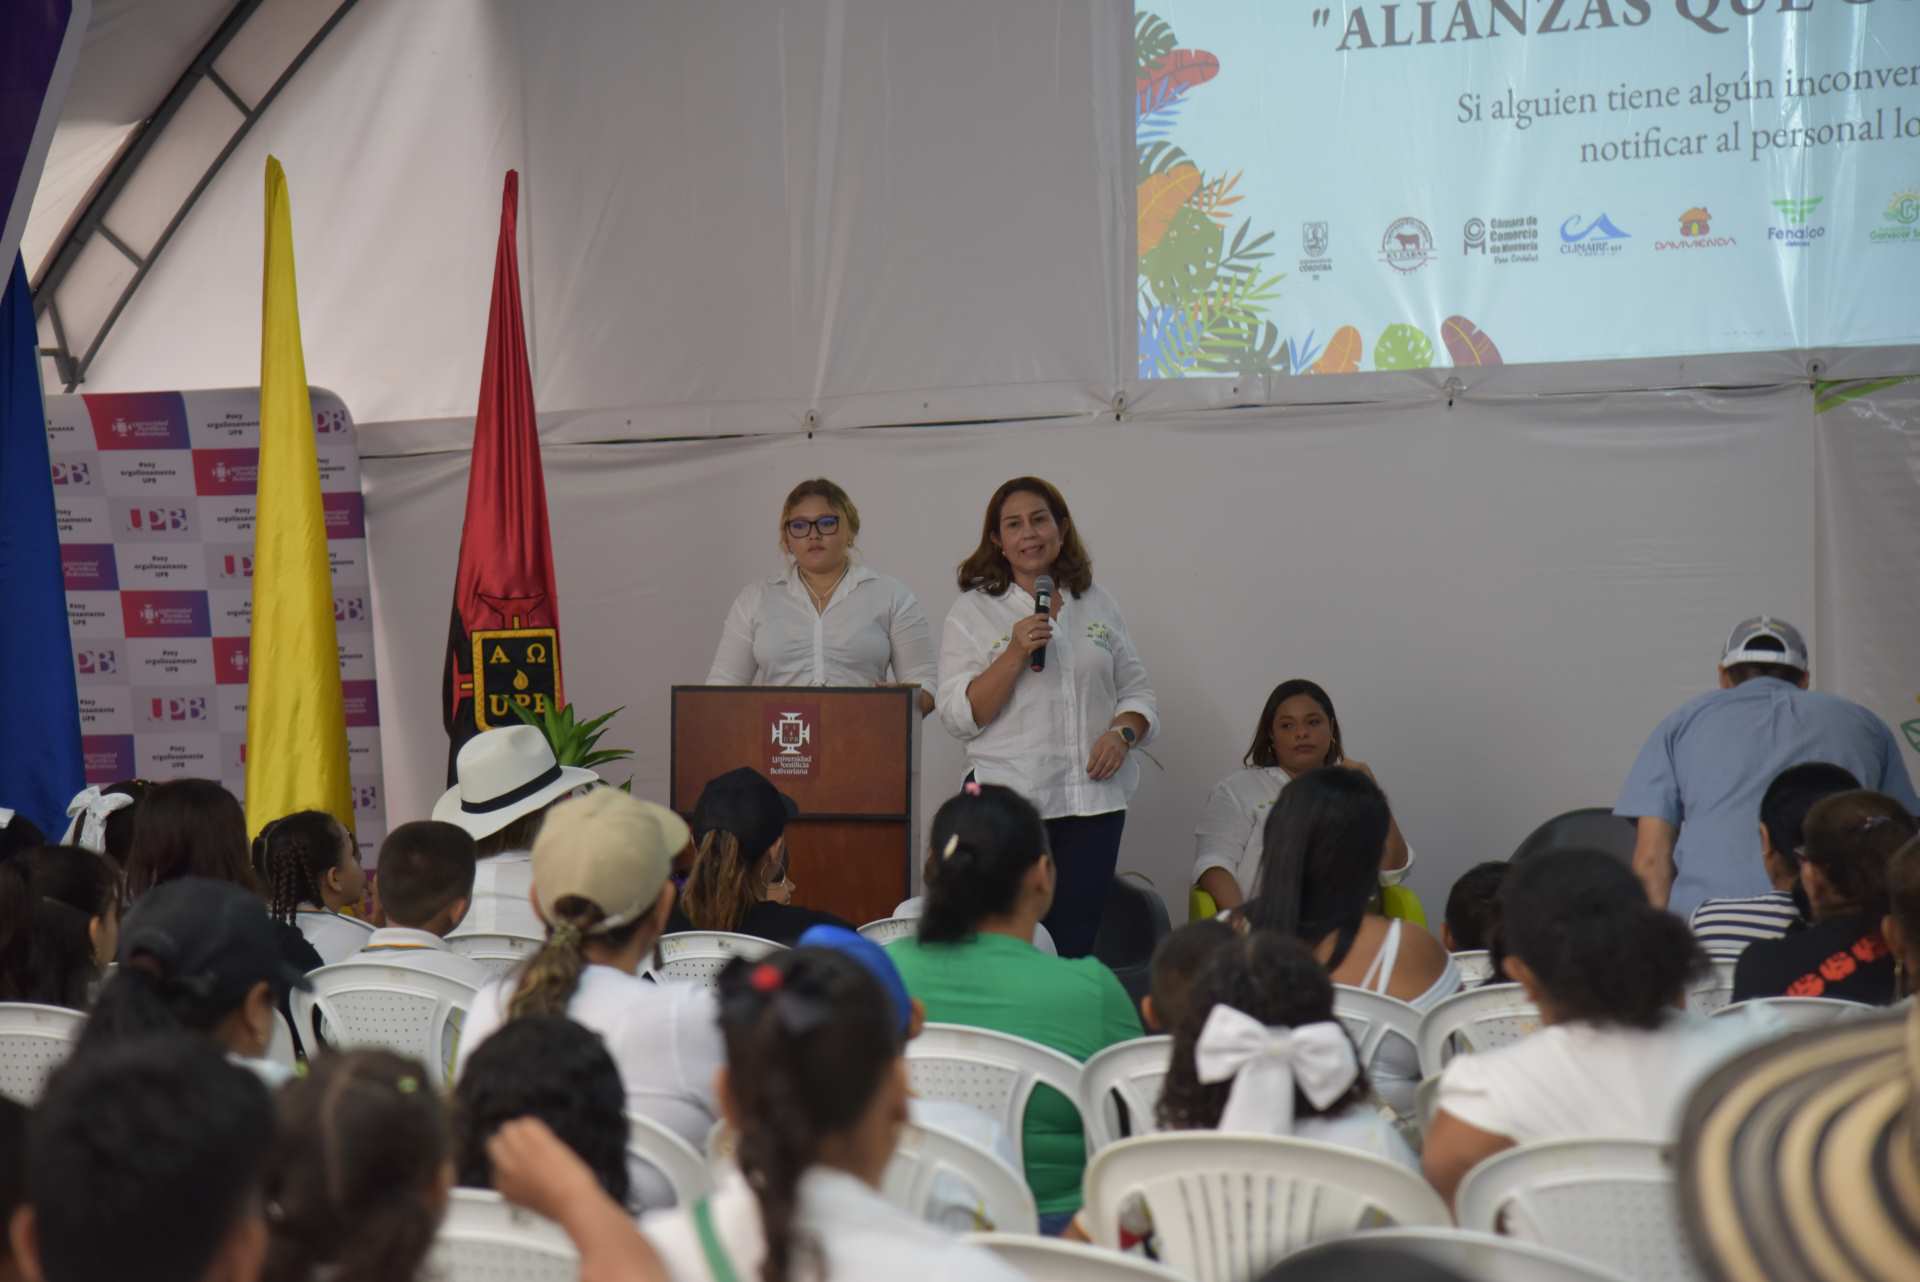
1503	598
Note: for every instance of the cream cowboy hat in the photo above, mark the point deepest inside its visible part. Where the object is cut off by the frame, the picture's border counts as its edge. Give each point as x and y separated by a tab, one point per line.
503	775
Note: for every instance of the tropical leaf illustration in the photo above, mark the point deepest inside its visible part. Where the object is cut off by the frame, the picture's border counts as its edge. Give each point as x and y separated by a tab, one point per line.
1176	73
1152	40
1157	158
1182	267
1467	343
1159	122
1160	198
1402	346
1343	353
1216	199
1300	354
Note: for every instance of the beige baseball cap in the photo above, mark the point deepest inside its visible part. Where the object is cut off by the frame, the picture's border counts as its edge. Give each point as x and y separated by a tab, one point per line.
609	848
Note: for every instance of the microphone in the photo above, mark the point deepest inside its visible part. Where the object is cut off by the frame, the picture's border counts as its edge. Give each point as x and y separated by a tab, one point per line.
1042	600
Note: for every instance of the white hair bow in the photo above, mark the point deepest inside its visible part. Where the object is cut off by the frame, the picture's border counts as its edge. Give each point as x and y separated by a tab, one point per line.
6	816
1265	1064
89	811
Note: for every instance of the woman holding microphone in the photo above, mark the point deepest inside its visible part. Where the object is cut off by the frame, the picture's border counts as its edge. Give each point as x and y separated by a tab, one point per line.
829	620
1049	696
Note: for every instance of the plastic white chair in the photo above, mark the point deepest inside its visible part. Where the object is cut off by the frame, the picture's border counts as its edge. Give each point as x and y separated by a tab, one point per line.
498	952
1476	965
1481	1018
1790	1013
924	1157
1134	1072
683	1166
280	1048
993	1072
34	1040
698	956
1048	1259
1225	1207
888	929
1481	1256
486	1239
1714	990
1611	1202
370	1003
1373	1020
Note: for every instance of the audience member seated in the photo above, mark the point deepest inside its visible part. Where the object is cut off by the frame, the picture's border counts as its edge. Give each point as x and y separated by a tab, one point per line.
1318	876
1725	927
1902	925
1176	963
507	781
1617	1052
1297	732
102	819
59	924
357	1182
534	1169
198	956
144	1161
974	963
600	878
1473	907
1848	839
17	832
309	865
426	885
187	828
13	1180
739	880
551	1068
815	1089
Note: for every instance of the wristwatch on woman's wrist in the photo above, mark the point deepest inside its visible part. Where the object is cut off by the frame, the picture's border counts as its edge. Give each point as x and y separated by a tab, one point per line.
1128	735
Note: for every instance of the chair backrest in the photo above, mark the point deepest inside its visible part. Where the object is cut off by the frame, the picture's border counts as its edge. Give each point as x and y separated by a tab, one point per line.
1481	1256
1374	1020
993	1072
926	1163
34	1040
698	956
1589	828
498	952
1130	1073
1224	1207
1132	923
1612	1202
1476	1020
1713	990
682	1165
1476	965
1049	1259
888	929
1790	1013
280	1047
485	1239
371	1003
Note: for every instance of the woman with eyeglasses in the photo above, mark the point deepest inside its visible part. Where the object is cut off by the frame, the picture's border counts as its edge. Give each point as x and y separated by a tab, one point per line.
829	620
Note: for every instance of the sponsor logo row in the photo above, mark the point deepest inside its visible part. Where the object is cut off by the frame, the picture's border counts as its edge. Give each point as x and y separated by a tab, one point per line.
211	421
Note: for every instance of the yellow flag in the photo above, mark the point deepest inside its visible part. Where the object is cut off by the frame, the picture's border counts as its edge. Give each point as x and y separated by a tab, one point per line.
296	719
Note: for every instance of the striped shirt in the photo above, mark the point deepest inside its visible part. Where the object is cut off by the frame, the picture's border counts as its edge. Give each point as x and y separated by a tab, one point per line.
1725	927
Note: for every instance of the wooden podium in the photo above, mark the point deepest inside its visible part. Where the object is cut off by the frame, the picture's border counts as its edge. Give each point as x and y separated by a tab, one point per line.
849	757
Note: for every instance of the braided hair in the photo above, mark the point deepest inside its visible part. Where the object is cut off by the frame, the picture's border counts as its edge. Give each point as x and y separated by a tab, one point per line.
811	1041
292	857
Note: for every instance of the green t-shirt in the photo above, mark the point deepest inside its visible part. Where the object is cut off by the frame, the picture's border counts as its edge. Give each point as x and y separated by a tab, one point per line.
1007	985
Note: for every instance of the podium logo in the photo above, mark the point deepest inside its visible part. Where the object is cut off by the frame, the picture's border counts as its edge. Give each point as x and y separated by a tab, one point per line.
790	748
791	734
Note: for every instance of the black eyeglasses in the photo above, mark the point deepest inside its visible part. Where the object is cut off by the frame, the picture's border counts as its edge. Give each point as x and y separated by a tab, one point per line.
799	527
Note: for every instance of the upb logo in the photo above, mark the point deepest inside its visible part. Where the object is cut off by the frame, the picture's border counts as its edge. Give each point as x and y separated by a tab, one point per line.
72	474
159	520
330	422
236	565
96	663
177	708
366	796
1794	213
349	609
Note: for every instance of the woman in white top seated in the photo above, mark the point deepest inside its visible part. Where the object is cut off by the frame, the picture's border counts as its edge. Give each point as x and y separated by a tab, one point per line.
600	879
827	621
309	869
1061	734
1324	840
1298	731
1618	1053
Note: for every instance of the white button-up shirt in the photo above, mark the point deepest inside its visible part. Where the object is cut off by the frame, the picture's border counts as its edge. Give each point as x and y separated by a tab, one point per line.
1040	742
1232	829
872	626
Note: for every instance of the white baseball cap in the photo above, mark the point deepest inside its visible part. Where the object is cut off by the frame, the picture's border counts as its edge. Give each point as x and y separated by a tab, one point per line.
503	775
1789	650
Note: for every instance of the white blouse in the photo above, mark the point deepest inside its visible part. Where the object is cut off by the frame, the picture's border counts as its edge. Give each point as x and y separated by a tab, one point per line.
1040	742
872	626
1233	826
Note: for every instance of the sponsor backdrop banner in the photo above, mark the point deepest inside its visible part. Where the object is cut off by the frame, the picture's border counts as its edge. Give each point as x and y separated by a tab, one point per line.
154	493
1325	188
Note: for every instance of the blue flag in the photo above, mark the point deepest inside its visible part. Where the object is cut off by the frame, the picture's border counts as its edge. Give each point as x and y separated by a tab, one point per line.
40	764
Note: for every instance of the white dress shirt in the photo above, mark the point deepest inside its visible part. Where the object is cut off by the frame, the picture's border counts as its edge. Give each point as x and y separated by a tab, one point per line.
333	936
501	885
872	627
425	951
1233	827
1040	742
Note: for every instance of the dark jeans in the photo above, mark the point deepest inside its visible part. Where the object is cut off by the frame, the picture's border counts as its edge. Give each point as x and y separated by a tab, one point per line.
1086	849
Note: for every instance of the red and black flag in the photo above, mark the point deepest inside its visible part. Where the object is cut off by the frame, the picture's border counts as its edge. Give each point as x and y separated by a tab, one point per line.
503	645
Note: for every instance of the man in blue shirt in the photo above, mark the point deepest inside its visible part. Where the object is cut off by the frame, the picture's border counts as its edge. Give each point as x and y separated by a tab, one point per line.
1695	789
